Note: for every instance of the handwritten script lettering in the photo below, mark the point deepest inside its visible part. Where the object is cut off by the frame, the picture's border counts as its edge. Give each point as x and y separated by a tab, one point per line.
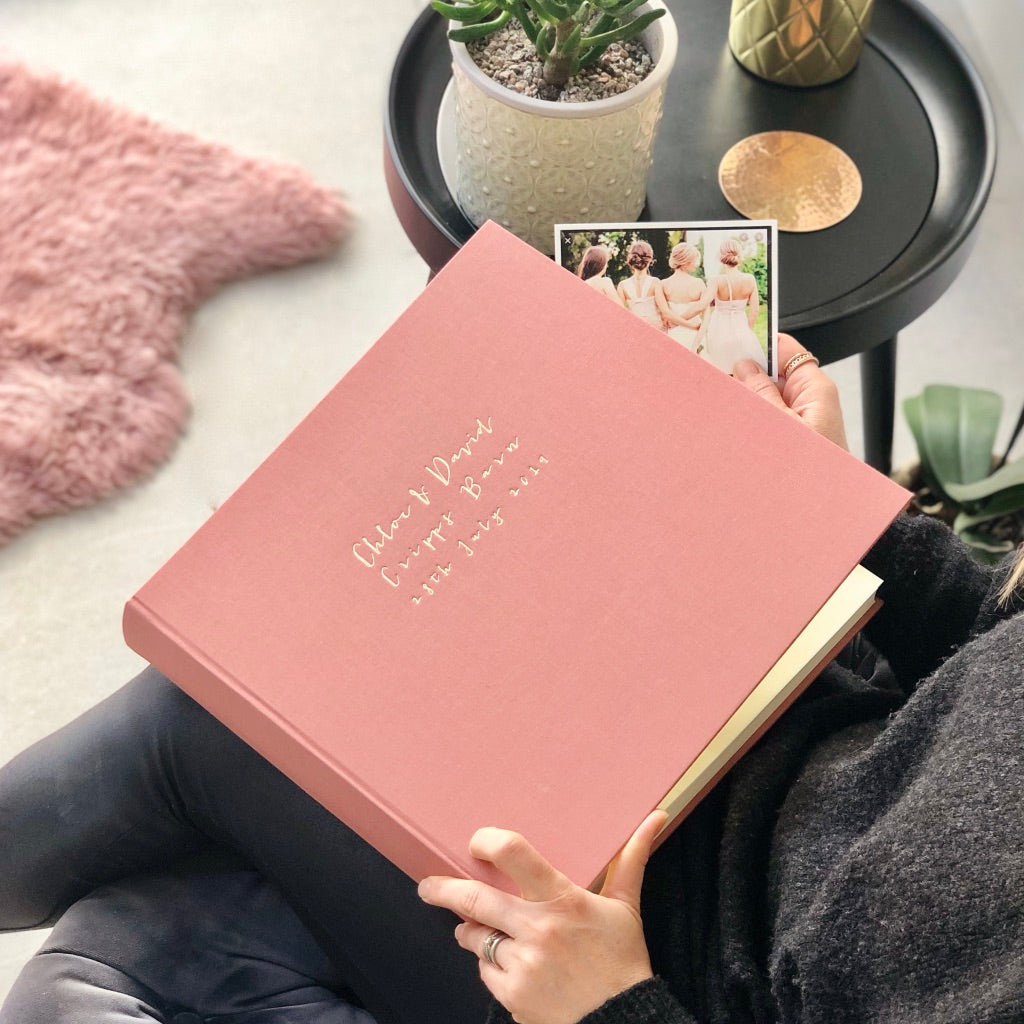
366	550
441	468
405	549
430	542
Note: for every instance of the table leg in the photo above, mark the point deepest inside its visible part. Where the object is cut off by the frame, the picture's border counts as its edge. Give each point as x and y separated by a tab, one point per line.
878	403
428	241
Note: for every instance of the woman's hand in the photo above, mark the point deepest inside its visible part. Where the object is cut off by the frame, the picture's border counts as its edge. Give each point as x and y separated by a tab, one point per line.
568	950
807	393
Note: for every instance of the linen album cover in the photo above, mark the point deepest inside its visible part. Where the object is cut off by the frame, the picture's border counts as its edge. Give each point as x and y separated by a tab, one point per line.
518	568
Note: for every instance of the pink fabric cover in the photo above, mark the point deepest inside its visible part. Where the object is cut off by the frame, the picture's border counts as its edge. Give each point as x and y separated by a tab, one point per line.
112	230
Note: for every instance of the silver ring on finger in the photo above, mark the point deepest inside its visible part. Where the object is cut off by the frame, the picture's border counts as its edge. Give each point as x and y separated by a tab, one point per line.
491	944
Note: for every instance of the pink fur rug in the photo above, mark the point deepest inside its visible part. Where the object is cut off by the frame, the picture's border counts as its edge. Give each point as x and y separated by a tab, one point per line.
112	230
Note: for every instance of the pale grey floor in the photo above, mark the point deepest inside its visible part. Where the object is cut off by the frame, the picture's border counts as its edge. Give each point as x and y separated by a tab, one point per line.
305	80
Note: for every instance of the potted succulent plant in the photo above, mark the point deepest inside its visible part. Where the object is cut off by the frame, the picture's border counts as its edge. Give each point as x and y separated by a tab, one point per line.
957	477
528	160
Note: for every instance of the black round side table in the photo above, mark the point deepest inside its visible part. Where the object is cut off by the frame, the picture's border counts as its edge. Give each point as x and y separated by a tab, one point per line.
914	117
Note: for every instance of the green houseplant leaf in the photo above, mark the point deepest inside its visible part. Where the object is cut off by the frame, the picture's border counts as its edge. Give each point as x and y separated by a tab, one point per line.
959	427
999	504
913	411
565	33
1009	479
955	431
984	547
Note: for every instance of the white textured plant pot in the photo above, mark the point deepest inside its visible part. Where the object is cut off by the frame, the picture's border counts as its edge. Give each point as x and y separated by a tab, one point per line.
530	164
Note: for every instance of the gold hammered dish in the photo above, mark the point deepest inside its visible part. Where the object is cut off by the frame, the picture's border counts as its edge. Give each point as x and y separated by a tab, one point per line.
802	181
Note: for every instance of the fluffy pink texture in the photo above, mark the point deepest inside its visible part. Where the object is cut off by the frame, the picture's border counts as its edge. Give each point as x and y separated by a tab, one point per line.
113	230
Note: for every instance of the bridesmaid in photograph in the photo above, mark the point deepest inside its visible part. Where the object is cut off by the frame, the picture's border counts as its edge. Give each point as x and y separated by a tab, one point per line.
680	298
638	292
730	335
593	268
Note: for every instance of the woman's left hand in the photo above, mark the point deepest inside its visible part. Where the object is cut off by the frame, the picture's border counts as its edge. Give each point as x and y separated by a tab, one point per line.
568	949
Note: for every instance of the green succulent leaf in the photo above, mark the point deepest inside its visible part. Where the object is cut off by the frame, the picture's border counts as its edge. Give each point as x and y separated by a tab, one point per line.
543	10
530	25
574	32
623	32
468	33
603	24
464	11
582	14
618	8
545	37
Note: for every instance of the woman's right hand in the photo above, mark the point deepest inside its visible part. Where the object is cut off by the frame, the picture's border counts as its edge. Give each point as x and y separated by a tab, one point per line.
569	950
807	393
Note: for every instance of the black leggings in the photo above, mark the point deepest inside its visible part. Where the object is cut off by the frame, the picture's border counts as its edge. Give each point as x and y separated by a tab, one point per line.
148	776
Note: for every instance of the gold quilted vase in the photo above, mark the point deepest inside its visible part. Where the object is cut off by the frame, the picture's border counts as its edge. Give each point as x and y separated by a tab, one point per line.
799	42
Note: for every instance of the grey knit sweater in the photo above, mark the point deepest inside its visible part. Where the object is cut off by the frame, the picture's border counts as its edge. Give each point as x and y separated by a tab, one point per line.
866	861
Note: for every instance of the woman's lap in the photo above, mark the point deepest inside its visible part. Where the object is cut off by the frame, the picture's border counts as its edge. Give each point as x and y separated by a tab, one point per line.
148	776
